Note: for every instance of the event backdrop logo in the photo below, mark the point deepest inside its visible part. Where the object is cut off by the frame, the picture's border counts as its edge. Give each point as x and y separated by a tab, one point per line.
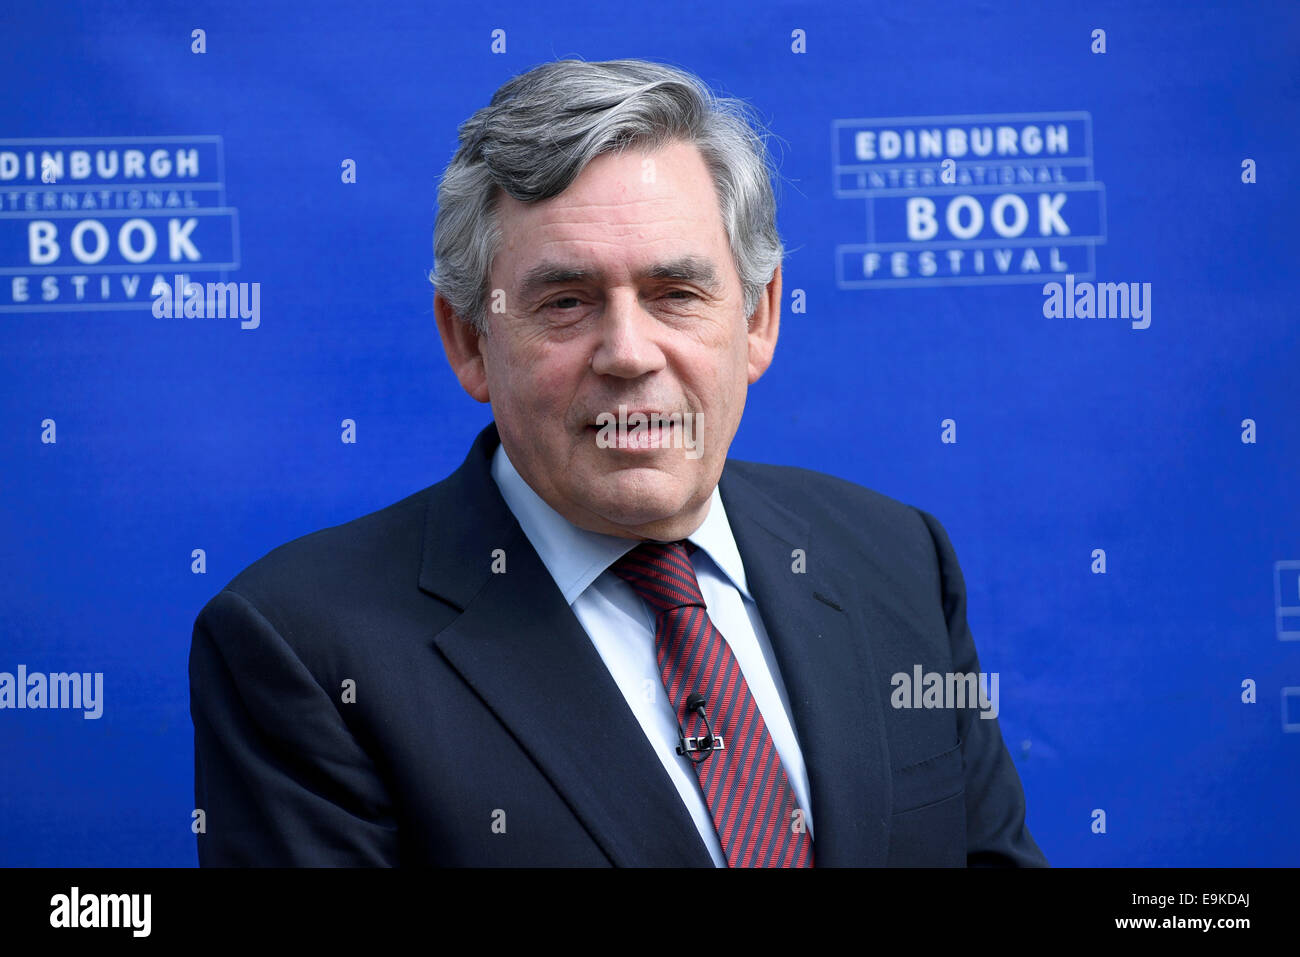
956	200
100	223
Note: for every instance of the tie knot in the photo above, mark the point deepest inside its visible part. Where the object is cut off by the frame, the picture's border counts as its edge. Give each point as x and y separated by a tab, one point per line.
661	573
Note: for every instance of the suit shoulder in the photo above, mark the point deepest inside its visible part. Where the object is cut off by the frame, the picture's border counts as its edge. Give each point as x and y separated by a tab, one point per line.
328	567
878	536
821	496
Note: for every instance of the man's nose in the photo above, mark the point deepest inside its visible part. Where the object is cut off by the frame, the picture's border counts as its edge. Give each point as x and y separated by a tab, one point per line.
626	344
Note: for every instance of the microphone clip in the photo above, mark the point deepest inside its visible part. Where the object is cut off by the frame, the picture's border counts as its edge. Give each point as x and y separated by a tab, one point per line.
701	744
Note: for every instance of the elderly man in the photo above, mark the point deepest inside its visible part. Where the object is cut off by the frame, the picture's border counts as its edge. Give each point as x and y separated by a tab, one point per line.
600	641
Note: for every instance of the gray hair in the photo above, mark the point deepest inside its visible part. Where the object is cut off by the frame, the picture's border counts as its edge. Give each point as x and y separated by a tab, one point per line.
543	127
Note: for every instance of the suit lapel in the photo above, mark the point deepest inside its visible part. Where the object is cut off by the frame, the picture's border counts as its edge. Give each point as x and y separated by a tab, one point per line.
826	665
518	644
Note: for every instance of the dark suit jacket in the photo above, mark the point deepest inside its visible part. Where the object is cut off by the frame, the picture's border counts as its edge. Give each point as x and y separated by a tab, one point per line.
485	730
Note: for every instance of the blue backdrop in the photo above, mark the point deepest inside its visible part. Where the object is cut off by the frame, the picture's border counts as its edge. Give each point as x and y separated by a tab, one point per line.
130	441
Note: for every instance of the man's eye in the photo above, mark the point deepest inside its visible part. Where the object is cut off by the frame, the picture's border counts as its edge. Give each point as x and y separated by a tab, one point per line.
681	295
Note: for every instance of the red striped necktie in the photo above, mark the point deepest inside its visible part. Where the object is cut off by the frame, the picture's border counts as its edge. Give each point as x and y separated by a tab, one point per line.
744	784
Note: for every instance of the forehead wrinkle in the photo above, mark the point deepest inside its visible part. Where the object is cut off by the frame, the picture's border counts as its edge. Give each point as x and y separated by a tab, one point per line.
657	213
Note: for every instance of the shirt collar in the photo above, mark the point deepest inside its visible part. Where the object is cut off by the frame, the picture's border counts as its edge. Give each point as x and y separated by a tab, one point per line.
576	557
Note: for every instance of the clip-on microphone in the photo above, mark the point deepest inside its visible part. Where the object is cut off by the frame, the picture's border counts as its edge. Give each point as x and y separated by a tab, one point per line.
703	745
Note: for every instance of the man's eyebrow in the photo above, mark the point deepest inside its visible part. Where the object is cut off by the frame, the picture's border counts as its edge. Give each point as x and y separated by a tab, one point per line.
553	274
694	269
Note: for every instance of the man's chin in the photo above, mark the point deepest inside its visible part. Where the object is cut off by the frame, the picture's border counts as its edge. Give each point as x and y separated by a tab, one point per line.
624	501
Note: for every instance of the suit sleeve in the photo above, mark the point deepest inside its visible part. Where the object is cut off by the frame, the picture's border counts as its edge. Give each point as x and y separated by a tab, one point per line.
996	833
280	778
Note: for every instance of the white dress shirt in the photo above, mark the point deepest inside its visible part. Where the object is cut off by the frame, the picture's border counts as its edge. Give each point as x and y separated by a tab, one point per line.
622	628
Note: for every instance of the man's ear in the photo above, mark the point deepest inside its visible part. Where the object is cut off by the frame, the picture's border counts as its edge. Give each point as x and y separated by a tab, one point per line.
460	341
764	325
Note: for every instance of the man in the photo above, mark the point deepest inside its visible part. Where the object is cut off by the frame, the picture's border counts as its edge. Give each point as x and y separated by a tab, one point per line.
601	642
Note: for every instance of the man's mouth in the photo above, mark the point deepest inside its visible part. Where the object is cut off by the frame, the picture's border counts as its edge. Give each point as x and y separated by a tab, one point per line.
636	430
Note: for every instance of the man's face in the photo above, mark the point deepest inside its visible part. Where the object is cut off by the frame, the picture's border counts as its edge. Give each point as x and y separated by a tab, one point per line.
621	291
